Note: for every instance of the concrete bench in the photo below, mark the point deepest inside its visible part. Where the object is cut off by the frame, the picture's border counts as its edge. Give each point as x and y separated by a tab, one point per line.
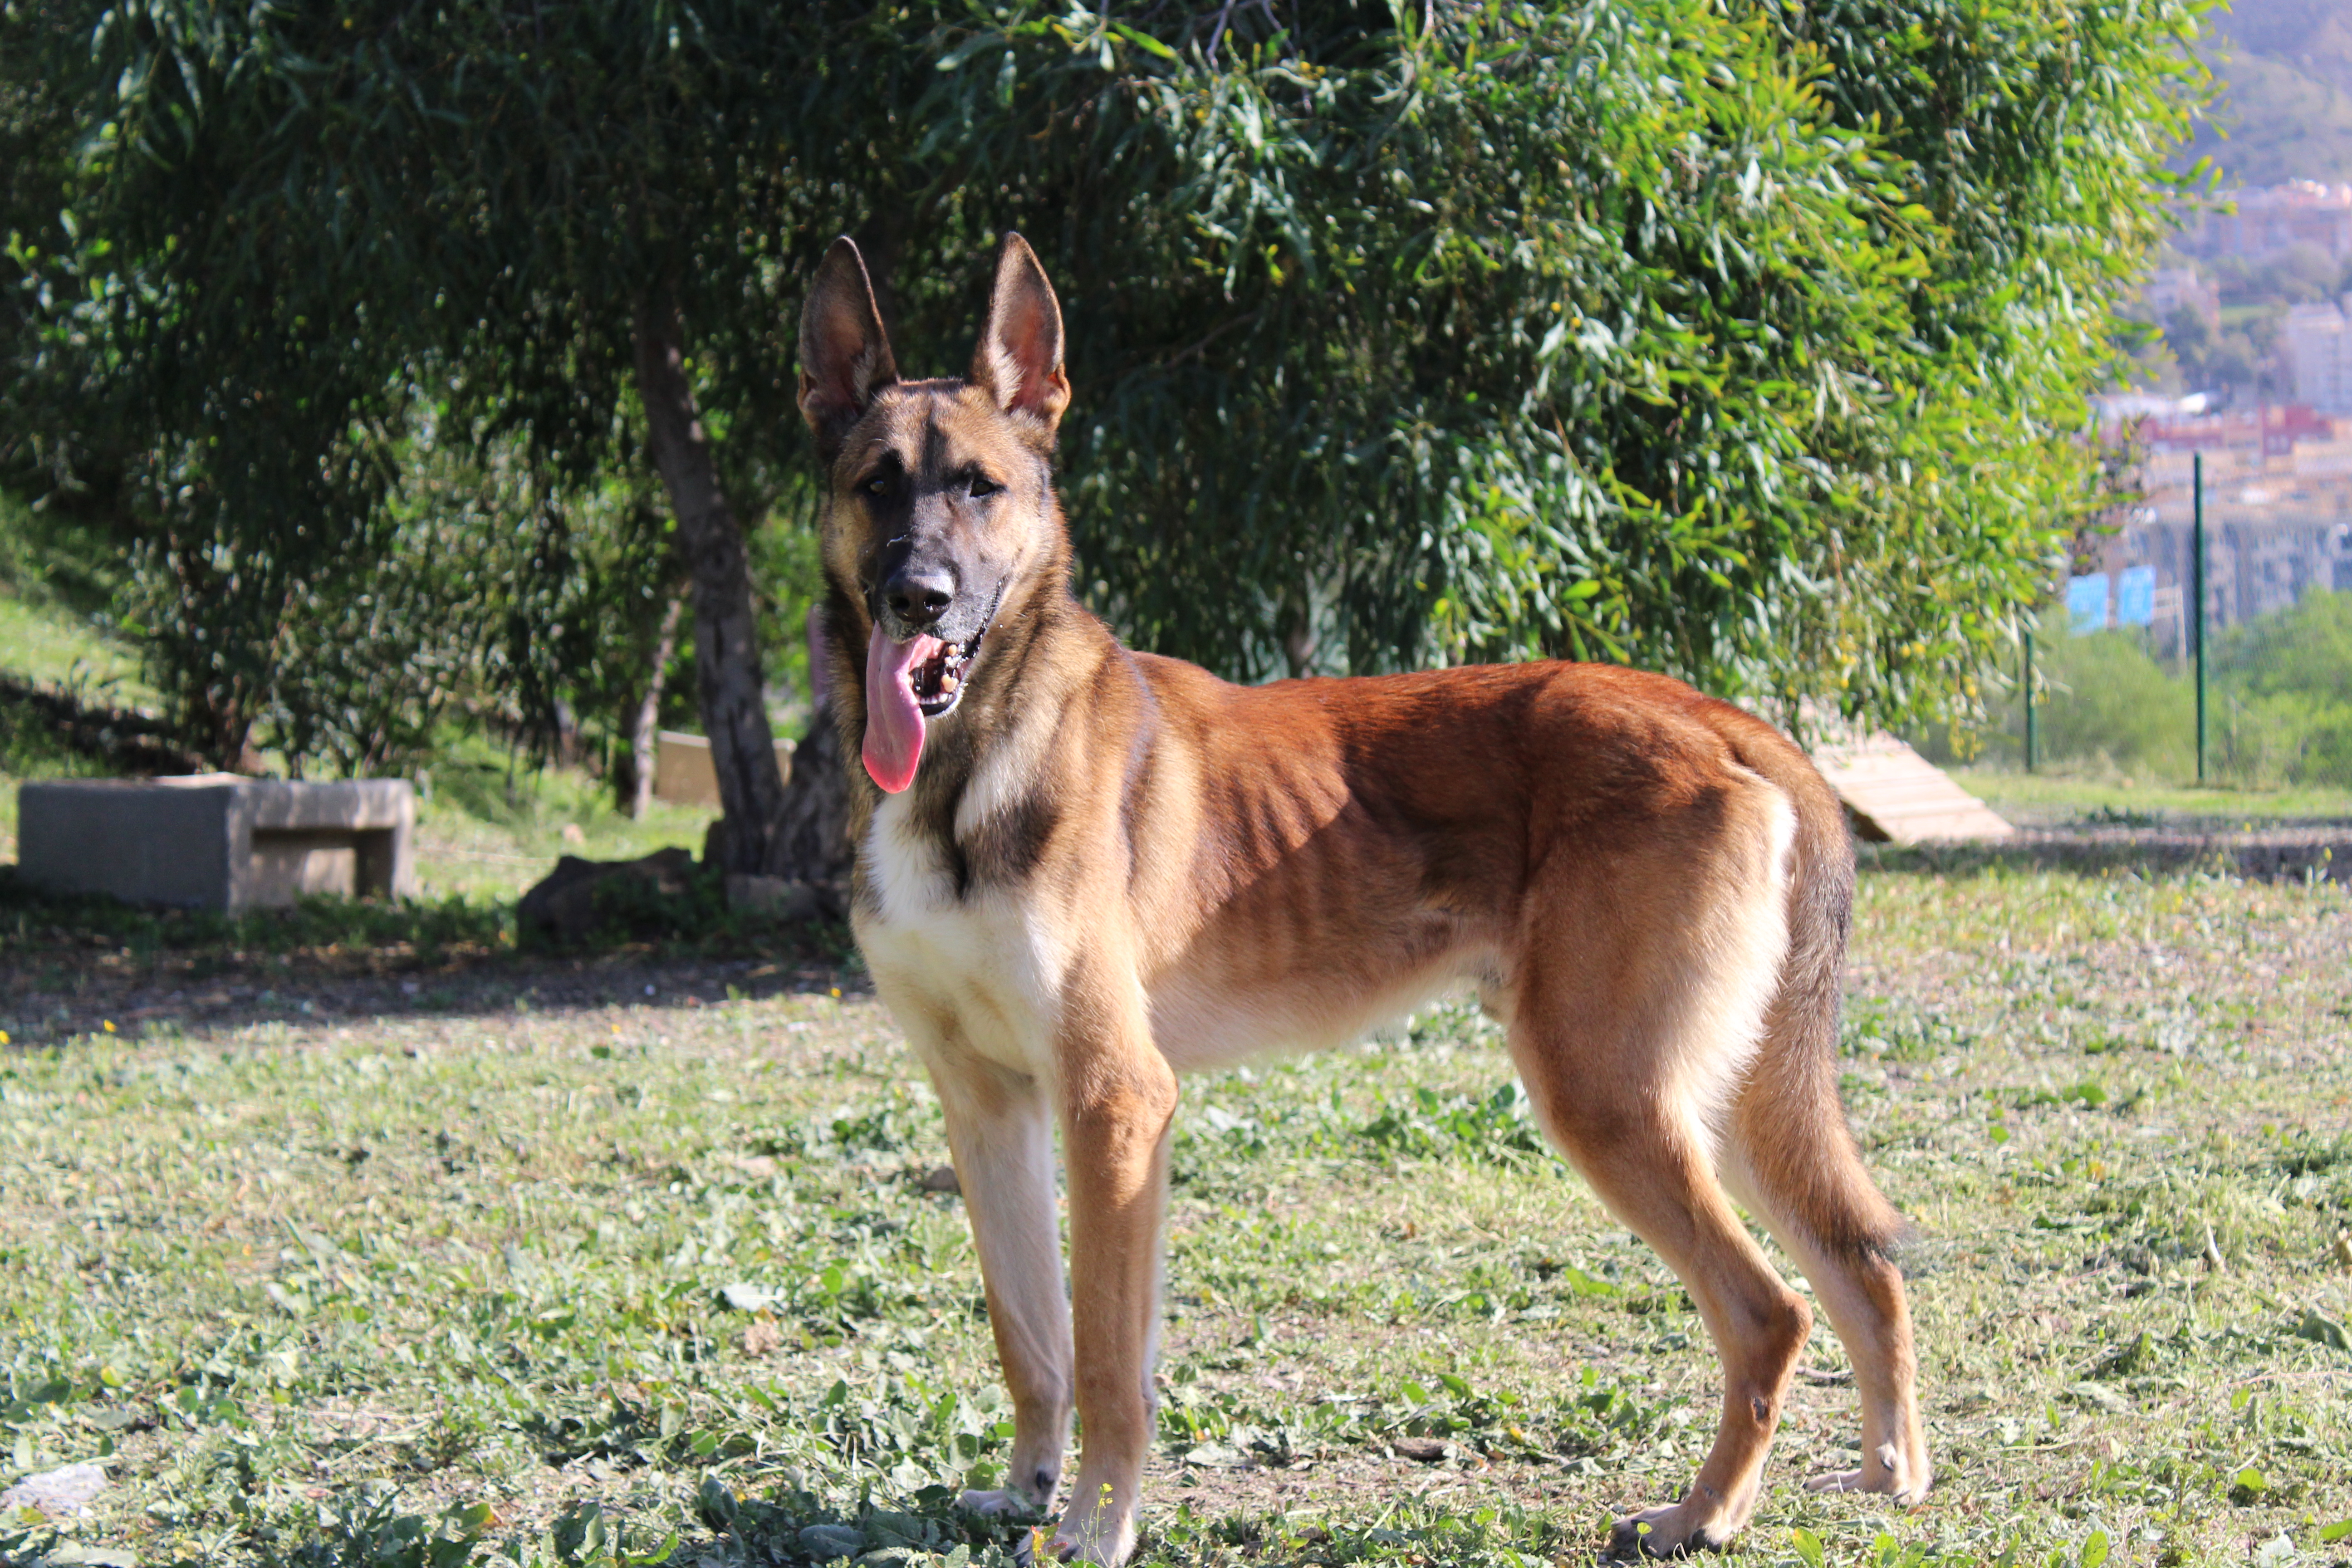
217	841
683	774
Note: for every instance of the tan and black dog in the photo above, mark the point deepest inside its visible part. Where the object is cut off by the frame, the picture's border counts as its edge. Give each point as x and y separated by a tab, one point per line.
1083	871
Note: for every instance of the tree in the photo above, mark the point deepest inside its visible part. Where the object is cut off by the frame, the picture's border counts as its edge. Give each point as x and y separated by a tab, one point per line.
1739	338
307	216
1745	340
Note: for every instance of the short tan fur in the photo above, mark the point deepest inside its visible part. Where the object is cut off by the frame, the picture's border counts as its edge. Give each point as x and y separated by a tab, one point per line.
1107	869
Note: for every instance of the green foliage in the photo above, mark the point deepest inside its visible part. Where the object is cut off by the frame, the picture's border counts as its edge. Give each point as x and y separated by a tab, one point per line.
368	1528
2109	703
1731	341
2288	679
1738	338
336	536
2279	694
50	560
1884	1031
426	929
1498	1126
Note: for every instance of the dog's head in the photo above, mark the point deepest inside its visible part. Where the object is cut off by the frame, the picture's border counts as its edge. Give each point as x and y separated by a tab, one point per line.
941	510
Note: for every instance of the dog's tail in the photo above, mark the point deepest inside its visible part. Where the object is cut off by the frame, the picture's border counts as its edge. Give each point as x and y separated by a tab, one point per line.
1788	1132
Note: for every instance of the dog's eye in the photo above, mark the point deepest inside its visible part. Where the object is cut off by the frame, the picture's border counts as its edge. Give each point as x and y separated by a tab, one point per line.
981	485
879	484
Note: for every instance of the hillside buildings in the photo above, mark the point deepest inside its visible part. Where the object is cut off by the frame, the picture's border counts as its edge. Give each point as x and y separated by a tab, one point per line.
2318	343
2278	477
2278	510
2172	289
2273	218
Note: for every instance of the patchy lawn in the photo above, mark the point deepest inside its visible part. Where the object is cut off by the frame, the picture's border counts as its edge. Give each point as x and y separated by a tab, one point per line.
501	1255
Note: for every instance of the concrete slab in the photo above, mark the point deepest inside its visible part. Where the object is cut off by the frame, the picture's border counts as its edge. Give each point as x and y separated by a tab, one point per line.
217	841
683	773
1896	795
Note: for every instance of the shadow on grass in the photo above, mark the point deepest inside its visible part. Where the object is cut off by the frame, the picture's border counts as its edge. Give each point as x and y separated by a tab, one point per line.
33	921
2316	851
74	964
636	922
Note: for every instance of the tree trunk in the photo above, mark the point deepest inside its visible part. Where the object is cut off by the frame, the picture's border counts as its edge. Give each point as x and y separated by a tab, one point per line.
811	843
726	634
812	838
644	733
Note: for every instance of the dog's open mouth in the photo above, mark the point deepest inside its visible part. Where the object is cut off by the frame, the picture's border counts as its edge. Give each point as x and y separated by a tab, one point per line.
938	680
907	686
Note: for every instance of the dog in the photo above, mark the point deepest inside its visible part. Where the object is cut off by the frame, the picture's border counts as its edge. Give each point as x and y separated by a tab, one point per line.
1083	871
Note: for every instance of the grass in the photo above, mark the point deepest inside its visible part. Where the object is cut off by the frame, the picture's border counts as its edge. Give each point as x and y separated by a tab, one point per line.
484	834
538	1266
2054	799
46	641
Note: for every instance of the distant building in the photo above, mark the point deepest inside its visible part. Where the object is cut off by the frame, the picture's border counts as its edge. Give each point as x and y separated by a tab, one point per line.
2320	347
2173	289
2124	410
2278	511
2270	539
2272	430
2269	219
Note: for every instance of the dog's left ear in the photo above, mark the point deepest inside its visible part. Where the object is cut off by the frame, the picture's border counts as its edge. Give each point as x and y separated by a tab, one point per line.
1019	361
845	355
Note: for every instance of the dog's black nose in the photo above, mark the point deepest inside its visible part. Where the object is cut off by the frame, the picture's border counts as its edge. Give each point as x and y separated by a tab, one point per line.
918	595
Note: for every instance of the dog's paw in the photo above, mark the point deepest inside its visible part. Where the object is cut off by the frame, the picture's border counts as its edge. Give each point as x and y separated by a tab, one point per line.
1887	1473
1670	1532
1103	1535
1002	1502
1006	1503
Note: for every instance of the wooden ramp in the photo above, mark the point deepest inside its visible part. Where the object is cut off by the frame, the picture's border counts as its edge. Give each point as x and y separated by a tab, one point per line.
1899	797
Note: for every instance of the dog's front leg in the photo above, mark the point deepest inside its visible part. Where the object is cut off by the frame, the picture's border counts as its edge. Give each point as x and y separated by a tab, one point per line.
1001	1130
1118	1099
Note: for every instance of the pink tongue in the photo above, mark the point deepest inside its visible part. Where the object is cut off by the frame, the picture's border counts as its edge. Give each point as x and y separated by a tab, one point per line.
893	725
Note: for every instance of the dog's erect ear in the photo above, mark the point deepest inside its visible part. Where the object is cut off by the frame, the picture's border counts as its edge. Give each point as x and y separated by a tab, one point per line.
1019	361
845	355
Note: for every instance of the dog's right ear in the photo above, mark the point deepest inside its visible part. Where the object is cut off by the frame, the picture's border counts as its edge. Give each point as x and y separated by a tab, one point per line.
844	354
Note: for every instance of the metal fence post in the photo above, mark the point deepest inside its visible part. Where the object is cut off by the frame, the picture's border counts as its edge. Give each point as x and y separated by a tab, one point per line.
2197	590
2032	727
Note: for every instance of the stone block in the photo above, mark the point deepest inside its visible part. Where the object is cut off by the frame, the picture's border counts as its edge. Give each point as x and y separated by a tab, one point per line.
217	841
773	897
683	774
562	907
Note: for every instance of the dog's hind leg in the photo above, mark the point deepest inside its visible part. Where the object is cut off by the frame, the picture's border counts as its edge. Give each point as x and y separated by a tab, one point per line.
1000	1128
1634	1017
1791	1161
1648	1160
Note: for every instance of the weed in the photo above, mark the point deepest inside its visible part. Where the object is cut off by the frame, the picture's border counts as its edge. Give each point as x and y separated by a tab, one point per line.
1426	1125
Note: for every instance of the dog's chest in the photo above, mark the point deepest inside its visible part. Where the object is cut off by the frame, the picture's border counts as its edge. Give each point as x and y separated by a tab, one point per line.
952	967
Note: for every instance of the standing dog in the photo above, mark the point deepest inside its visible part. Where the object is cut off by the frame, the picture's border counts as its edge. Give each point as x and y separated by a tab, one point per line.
1082	872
